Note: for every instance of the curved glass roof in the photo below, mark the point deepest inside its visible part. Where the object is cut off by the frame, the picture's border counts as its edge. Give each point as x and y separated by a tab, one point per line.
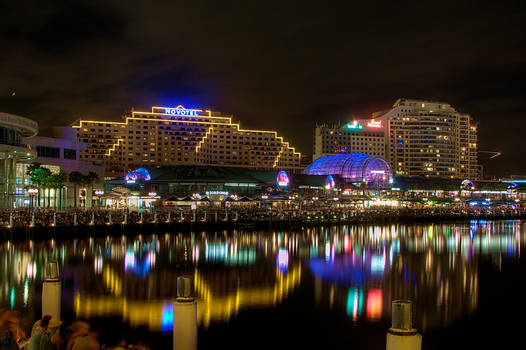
353	166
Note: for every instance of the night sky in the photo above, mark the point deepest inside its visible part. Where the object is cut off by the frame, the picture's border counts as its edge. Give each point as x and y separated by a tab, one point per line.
274	65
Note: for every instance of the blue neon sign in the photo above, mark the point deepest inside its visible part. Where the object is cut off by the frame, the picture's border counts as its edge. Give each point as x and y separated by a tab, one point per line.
182	111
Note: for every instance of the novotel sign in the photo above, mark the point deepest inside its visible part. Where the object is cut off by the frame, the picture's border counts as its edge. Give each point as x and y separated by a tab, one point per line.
182	111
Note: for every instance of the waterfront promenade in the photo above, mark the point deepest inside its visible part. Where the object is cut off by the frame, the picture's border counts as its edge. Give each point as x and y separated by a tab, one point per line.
48	220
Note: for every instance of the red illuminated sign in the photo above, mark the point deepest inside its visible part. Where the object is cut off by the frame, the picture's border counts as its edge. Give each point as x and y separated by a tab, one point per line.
375	124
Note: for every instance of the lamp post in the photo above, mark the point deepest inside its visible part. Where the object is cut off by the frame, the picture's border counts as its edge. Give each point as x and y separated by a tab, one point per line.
99	193
32	192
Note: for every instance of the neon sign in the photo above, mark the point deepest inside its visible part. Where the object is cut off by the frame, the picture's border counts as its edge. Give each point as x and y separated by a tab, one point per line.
139	174
354	125
375	124
282	178
180	110
217	193
329	182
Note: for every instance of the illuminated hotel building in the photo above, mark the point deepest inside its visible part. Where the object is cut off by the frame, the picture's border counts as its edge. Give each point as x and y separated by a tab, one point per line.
364	136
427	138
180	136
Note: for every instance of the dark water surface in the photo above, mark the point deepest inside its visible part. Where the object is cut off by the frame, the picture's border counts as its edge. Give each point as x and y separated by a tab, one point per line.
323	287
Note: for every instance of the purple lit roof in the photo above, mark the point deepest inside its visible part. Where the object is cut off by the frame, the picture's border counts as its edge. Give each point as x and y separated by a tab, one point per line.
355	167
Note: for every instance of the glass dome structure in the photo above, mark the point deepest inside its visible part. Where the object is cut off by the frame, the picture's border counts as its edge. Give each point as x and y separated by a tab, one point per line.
354	167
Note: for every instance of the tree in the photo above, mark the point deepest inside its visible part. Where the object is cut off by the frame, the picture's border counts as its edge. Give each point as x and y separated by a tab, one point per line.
56	181
76	179
90	179
39	176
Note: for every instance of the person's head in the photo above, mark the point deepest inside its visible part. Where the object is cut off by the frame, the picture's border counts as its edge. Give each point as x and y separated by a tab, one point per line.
80	327
44	322
54	324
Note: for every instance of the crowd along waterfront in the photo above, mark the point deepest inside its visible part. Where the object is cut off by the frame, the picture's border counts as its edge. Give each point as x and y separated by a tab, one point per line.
320	286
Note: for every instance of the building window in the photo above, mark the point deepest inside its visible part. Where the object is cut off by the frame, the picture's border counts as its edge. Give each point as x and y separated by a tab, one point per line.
70	154
48	152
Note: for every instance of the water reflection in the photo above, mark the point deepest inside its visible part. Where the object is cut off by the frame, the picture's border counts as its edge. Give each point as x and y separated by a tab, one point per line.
353	271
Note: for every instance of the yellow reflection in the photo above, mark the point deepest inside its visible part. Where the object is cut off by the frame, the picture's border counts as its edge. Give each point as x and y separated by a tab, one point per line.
209	307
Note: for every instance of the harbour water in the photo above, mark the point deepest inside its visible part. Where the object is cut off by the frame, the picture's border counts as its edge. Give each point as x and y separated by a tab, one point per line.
311	288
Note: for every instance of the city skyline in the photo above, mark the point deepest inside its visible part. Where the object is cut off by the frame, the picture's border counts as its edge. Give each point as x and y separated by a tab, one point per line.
307	64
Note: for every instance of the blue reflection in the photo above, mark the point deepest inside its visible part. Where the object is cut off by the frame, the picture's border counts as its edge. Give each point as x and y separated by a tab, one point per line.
347	269
168	318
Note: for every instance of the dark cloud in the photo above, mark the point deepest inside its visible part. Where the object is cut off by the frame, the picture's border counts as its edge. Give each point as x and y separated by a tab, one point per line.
56	27
273	65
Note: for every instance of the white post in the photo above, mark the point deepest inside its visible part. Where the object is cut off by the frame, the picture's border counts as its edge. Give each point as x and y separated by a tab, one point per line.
193	216
182	218
401	335
33	219
185	316
10	220
92	218
205	218
236	217
75	222
51	292
54	219
142	216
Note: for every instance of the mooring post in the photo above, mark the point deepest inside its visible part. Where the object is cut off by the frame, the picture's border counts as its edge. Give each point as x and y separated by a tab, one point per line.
402	335
185	316
51	291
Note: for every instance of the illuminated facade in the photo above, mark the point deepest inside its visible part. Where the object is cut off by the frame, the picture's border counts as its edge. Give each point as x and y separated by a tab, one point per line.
427	138
365	136
353	167
179	136
13	153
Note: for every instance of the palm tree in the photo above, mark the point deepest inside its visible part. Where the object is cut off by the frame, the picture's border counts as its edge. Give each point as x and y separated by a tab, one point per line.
90	179
76	178
39	176
56	182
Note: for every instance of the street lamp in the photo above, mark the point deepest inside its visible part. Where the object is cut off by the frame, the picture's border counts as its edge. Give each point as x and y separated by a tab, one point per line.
32	192
99	193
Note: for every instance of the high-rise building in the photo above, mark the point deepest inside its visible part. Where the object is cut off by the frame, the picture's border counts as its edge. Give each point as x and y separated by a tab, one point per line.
425	138
180	136
364	136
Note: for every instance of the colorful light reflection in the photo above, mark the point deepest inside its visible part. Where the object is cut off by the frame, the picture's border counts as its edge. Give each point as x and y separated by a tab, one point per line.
374	304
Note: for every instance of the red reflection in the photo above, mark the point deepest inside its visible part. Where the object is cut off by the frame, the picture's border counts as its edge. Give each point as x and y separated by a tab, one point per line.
374	304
